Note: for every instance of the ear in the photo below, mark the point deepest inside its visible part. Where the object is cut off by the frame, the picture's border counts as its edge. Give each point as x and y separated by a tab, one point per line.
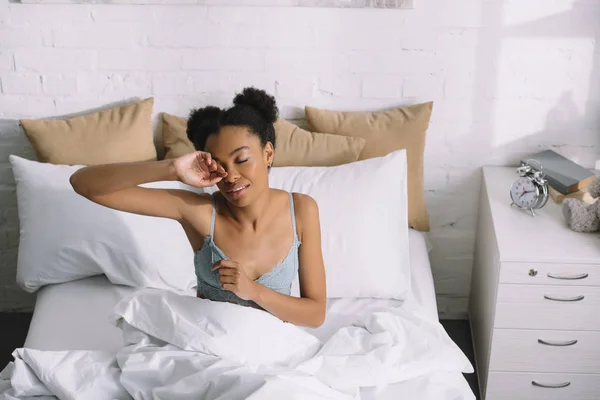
269	154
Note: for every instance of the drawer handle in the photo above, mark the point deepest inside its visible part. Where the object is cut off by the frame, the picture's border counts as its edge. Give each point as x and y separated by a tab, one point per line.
575	298
567	277
551	385
565	343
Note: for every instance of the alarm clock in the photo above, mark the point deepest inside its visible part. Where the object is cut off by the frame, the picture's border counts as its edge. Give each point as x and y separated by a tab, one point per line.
530	190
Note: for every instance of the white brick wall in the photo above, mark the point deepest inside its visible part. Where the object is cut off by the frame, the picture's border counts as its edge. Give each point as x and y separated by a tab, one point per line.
49	59
506	77
15	83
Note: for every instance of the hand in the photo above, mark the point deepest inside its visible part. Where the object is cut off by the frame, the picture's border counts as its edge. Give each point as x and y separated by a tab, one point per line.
232	277
198	169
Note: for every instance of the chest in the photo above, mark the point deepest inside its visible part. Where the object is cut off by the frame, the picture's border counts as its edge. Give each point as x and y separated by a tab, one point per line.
535	300
257	252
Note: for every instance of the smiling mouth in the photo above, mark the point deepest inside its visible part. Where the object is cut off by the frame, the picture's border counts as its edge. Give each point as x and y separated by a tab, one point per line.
237	190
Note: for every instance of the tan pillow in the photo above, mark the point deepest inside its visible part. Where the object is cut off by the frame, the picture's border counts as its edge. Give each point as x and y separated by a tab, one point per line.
386	131
118	134
299	147
294	146
175	140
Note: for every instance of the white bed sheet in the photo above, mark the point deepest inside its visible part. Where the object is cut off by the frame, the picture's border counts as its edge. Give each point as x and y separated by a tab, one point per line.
76	315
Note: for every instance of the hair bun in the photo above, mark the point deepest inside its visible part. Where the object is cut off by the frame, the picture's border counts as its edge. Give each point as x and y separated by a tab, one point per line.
258	99
203	121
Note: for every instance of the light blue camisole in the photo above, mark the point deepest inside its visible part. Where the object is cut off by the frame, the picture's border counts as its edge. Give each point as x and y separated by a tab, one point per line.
279	278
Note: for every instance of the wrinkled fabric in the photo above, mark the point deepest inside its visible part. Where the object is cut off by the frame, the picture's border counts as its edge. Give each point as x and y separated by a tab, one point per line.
181	347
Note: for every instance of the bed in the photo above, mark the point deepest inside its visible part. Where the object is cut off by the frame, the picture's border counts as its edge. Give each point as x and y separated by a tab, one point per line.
116	316
59	323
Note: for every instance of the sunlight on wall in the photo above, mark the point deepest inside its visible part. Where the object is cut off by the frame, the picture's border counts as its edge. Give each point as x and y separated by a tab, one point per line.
544	71
533	71
520	11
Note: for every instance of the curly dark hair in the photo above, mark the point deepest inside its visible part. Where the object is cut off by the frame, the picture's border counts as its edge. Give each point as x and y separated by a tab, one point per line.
253	108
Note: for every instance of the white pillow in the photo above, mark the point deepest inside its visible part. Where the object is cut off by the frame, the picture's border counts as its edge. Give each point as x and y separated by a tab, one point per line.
363	210
244	335
65	236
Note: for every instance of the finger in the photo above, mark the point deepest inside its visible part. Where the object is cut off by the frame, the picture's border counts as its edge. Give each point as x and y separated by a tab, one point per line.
203	164
230	287
221	171
207	157
225	271
216	265
222	268
224	263
229	272
210	165
227	280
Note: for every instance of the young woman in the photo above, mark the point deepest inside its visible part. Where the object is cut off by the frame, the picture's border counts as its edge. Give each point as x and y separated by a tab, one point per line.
249	239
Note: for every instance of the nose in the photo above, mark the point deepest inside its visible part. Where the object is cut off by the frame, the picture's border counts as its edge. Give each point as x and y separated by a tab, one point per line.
232	175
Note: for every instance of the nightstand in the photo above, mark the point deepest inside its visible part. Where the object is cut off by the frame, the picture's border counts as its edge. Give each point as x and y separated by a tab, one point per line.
535	300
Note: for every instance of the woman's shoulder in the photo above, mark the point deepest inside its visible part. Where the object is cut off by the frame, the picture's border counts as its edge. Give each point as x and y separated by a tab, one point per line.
306	210
303	203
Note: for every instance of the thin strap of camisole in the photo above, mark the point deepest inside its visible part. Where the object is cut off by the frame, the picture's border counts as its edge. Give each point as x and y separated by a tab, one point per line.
293	216
212	218
214	211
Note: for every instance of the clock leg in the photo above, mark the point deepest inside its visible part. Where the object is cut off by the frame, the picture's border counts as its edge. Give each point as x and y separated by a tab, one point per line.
532	213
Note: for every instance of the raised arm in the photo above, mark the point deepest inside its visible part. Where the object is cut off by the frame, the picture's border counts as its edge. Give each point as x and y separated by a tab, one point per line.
116	185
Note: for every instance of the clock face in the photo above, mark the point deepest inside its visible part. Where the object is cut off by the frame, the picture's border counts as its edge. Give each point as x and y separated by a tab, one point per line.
524	193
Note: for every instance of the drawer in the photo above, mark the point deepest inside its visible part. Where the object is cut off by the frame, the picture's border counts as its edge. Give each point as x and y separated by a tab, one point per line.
548	307
545	351
550	274
524	386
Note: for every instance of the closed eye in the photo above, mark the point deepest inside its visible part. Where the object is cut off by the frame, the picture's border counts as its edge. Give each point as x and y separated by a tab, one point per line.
242	161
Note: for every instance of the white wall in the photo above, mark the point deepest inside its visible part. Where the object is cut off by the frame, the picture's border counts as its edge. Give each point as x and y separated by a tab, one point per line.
507	77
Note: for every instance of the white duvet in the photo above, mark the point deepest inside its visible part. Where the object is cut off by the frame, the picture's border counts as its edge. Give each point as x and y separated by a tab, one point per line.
182	347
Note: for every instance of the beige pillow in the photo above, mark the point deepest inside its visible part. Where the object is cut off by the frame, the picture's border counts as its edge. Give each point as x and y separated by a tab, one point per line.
294	146
175	140
118	134
386	131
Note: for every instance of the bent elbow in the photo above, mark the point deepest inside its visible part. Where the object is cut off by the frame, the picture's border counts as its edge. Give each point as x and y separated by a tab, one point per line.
317	323
77	186
74	183
318	318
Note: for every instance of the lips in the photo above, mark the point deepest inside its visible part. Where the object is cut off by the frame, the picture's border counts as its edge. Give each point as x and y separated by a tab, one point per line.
237	190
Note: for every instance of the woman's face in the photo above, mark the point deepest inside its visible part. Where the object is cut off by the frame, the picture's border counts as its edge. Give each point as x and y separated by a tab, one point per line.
240	153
